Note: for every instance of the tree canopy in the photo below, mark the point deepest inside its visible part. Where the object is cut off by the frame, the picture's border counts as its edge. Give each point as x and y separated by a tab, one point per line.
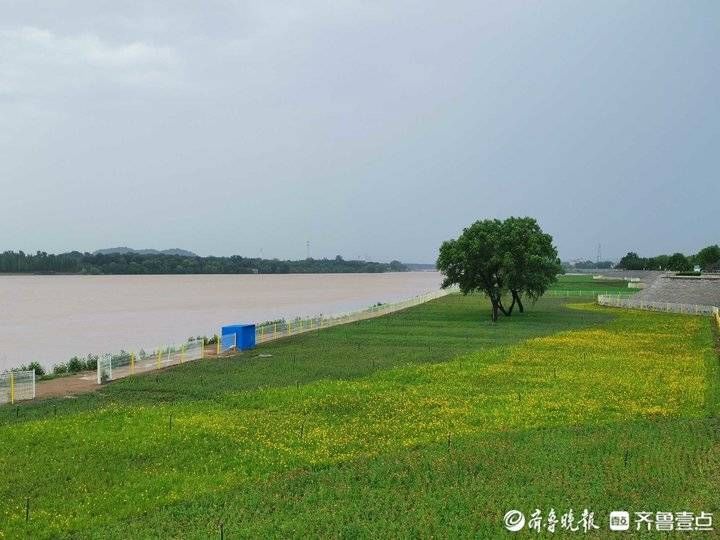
707	258
530	260
679	262
498	258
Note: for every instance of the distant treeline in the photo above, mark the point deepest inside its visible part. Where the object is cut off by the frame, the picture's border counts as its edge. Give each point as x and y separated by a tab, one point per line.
133	263
708	259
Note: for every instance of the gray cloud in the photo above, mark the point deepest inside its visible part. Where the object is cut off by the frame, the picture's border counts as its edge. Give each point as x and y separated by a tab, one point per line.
376	128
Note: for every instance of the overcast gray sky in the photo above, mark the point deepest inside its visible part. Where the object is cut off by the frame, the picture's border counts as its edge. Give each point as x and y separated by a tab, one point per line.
375	128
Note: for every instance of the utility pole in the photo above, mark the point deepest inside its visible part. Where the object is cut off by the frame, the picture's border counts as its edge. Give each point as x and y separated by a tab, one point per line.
307	246
599	253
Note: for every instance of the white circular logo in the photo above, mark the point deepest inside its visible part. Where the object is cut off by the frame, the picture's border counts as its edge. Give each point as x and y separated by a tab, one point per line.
514	520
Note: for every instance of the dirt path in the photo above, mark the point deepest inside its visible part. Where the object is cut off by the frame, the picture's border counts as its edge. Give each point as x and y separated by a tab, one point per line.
81	383
71	385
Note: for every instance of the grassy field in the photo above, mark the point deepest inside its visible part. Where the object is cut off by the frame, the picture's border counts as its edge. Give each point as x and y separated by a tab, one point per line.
586	284
428	422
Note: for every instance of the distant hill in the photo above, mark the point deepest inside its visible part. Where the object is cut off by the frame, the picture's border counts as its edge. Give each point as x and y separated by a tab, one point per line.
126	250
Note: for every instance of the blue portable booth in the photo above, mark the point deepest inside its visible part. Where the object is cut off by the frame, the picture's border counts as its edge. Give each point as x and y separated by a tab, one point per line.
244	335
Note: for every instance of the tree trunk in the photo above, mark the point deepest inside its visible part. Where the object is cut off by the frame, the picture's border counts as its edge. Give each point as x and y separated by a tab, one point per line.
502	308
494	309
510	309
516	298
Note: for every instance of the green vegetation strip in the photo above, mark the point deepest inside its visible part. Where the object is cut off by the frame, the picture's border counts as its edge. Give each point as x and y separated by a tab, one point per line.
428	422
585	286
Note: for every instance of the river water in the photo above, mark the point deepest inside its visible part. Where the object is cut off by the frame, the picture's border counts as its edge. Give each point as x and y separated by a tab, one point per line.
52	318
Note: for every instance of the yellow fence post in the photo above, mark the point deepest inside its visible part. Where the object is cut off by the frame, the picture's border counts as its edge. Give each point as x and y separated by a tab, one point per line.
132	363
202	348
274	329
182	353
217	347
262	333
12	388
158	356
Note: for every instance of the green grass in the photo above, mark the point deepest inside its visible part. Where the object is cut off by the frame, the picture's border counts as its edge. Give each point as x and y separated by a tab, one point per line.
587	284
428	422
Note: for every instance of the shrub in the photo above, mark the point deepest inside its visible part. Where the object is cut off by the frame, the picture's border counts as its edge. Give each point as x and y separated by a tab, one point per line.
91	362
37	368
272	322
120	359
60	369
75	365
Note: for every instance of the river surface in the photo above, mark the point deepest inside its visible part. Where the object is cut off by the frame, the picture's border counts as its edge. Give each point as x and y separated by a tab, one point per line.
52	318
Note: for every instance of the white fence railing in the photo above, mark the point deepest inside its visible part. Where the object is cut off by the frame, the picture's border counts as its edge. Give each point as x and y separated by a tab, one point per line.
118	366
276	330
669	307
580	293
17	386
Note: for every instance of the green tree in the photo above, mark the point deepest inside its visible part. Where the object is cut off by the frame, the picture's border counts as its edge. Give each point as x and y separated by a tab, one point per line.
631	261
473	261
497	257
679	263
708	256
659	262
530	262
